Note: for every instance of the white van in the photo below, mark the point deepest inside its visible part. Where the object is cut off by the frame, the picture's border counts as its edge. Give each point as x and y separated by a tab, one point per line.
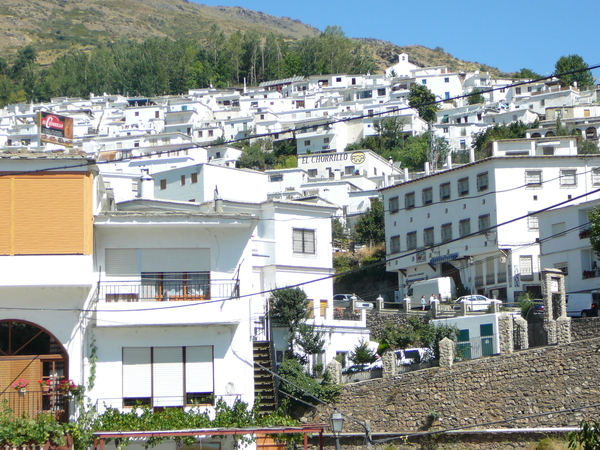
435	286
583	304
410	356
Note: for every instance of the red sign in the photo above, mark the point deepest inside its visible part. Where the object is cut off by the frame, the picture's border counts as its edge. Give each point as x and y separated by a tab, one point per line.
55	129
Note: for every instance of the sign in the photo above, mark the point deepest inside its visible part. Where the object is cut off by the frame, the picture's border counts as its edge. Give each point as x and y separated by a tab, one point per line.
421	256
55	129
442	259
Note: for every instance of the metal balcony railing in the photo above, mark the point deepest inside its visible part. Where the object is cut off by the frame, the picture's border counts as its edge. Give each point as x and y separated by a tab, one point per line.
167	290
34	401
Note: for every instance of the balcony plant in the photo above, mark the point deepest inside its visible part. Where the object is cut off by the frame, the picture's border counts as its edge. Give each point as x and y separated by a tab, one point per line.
69	387
20	385
44	385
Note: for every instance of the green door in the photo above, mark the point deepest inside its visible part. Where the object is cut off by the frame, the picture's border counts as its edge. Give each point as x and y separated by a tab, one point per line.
464	345
486	331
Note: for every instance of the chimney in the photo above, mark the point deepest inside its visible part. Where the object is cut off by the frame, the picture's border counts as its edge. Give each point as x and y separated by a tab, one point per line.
449	161
405	174
146	185
471	154
427	171
218	201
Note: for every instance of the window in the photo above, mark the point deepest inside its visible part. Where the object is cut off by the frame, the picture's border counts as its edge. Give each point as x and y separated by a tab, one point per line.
568	177
428	239
482	181
463	186
168	376
381	92
210	133
423	81
171	286
463	145
446	95
484	222
427	196
348	170
312	173
303	241
548	151
306	143
445	191
446	80
163	184
518	91
533	177
326	140
526	268
446	232
137	113
596	176
395	244
464	227
338	79
409	200
532	223
183	180
275	177
558	228
411	240
446	130
194	177
393	205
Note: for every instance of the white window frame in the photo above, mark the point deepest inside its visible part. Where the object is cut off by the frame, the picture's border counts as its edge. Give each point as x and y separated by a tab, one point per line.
533	177
533	223
445	188
427	195
482	181
596	176
568	177
463	187
304	241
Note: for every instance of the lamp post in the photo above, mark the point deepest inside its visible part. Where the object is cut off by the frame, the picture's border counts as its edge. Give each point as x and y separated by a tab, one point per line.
337	422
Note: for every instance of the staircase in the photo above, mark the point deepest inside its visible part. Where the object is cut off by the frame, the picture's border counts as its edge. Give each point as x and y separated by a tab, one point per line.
264	384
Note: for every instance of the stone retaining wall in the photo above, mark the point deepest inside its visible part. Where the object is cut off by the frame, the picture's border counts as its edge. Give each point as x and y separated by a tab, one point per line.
585	328
525	383
376	322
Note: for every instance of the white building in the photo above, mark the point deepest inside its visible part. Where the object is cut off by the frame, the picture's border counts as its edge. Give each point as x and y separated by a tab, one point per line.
565	242
472	223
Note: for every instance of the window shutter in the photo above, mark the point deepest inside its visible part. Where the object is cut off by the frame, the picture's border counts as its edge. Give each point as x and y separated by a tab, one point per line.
199	369
137	372
175	260
121	261
167	380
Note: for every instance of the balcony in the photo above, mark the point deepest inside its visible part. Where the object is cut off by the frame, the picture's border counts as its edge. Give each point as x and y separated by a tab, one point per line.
583	234
168	302
167	290
490	279
33	402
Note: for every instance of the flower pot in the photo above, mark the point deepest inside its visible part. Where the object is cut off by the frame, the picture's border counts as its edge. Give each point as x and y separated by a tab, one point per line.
45	388
22	391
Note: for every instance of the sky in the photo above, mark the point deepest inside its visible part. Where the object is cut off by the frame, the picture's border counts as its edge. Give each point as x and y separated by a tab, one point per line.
509	35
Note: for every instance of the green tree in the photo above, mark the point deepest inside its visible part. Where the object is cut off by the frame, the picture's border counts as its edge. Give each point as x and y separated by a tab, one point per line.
587	147
362	354
594	218
475	97
529	74
289	308
567	64
482	141
370	229
438	150
339	234
587	438
423	100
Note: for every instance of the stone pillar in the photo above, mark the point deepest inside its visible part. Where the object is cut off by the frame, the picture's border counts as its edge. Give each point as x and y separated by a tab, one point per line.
495	306
563	330
334	368
523	330
447	352
379	304
389	365
505	333
555	307
406	305
435	309
462	310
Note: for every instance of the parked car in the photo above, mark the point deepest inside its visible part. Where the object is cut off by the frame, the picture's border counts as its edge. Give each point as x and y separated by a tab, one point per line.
344	300
356	368
378	364
410	356
474	302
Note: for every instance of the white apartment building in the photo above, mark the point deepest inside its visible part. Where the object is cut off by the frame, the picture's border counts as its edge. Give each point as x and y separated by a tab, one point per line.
565	243
475	222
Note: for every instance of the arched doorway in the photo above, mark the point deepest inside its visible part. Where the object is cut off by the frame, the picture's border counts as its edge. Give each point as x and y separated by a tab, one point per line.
31	355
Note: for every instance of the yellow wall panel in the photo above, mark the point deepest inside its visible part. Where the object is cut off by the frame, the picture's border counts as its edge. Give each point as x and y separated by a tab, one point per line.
5	215
52	214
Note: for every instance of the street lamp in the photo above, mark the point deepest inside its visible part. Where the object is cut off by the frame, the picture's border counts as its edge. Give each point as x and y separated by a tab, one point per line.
337	422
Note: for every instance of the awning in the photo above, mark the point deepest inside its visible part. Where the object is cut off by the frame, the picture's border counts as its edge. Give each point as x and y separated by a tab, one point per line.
442	259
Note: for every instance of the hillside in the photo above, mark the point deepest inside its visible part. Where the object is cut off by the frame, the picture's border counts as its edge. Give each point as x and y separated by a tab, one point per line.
56	27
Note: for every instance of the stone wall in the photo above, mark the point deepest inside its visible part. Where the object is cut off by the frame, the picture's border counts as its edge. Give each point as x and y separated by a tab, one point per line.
376	322
585	328
518	385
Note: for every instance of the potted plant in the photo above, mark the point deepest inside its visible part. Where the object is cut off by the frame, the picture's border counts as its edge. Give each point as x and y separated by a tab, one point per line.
21	385
44	385
69	387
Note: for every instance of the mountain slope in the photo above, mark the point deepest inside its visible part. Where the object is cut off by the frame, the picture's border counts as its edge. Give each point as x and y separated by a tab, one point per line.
55	27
